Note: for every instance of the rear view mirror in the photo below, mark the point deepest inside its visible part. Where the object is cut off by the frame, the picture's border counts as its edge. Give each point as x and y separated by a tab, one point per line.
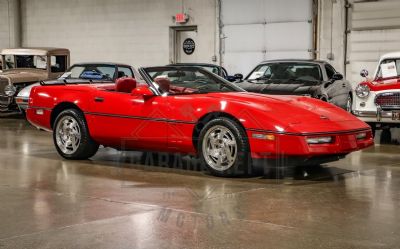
142	91
176	74
364	73
337	76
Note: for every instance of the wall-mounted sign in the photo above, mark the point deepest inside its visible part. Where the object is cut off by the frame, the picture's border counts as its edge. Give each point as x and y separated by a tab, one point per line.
181	18
189	46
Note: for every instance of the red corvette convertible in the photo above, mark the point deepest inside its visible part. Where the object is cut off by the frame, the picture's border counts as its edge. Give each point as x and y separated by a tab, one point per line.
189	110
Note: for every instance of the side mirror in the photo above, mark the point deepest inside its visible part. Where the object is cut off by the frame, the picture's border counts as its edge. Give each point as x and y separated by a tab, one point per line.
143	91
337	76
238	76
364	73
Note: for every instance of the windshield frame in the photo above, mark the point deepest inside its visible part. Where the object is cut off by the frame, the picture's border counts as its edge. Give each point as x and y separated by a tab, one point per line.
286	62
379	70
4	65
93	65
150	81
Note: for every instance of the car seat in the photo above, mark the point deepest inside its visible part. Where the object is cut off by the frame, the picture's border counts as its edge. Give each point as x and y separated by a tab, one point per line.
164	84
125	85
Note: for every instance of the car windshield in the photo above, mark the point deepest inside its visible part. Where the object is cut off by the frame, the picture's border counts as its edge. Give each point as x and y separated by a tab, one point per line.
211	69
188	80
389	68
90	72
286	71
25	61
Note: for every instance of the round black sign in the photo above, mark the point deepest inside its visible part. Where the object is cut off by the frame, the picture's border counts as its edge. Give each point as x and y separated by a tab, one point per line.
189	46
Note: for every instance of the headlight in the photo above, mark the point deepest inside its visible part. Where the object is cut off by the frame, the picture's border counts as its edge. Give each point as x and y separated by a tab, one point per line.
362	91
10	90
319	140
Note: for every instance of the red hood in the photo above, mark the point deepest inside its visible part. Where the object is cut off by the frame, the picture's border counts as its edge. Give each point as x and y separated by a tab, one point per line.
383	84
294	112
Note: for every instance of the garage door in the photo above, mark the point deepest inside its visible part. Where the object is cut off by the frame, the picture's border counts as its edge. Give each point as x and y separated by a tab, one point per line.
257	30
374	30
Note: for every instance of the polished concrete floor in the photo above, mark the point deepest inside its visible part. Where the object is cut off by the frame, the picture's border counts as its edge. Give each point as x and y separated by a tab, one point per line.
107	202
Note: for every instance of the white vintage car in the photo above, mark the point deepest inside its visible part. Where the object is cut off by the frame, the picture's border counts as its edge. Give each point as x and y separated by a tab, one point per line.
377	100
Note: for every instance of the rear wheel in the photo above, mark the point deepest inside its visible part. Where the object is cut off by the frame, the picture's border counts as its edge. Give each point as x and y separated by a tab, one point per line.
224	149
71	136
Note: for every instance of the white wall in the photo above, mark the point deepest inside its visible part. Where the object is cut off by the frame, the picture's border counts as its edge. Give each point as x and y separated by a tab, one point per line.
128	31
9	24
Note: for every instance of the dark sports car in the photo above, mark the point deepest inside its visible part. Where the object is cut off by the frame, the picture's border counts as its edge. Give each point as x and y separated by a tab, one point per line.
218	70
312	78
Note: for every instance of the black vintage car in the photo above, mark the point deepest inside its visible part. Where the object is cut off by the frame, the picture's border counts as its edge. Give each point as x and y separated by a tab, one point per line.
218	70
317	79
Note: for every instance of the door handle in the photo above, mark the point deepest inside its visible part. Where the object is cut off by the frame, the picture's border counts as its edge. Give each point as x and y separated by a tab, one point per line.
98	99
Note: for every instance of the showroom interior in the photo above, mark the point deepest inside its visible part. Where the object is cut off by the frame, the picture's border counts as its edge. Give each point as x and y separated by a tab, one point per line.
220	123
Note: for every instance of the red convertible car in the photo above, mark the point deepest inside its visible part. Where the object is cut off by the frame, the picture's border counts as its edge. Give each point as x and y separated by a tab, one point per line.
189	110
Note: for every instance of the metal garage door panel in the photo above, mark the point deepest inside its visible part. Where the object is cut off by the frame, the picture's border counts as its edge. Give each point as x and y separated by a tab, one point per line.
290	36
288	10
242	12
375	15
264	29
375	30
244	38
242	62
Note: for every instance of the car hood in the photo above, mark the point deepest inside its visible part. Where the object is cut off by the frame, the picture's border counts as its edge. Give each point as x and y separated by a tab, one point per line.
383	84
295	87
291	113
22	76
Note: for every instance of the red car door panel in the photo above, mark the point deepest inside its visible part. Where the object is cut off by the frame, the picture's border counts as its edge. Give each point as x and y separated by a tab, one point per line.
122	120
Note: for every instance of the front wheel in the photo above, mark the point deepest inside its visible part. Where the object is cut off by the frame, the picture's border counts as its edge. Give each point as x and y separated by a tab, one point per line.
71	136
224	149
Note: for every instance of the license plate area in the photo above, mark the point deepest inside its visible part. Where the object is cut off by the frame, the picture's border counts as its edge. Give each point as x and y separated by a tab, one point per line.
396	115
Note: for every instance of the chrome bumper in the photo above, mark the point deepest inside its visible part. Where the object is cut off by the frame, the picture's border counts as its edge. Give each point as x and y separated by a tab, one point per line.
378	116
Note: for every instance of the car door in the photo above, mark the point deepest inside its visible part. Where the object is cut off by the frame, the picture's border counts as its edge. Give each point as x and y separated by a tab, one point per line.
126	121
337	91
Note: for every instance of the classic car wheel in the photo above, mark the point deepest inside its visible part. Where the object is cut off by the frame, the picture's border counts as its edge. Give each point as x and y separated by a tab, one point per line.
71	136
349	104
223	148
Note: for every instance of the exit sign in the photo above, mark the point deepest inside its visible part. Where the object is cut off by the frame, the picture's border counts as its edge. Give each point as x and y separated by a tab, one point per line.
181	18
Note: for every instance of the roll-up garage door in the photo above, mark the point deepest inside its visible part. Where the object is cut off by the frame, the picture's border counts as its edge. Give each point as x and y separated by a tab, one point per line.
374	30
257	30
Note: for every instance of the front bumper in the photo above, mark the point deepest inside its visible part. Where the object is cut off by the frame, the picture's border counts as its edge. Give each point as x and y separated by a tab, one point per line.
378	116
296	146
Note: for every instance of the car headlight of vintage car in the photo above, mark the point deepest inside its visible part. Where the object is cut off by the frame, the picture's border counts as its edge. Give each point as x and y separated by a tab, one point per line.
10	90
319	140
362	91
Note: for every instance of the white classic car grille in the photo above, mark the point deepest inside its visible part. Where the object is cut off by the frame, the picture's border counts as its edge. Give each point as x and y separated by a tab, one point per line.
388	100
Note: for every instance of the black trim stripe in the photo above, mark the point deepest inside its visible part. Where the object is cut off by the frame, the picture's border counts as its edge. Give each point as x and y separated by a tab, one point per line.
141	118
311	133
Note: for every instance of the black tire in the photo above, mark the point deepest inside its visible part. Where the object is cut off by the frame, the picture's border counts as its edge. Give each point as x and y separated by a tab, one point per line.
87	147
242	162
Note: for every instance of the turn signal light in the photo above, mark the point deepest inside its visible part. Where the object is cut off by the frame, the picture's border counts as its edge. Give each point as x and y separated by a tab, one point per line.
361	136
264	136
319	140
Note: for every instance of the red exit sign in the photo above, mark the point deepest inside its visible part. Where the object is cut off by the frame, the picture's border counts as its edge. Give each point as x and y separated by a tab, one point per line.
181	18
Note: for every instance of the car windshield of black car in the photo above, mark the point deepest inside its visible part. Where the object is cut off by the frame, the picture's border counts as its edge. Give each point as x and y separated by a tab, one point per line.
286	71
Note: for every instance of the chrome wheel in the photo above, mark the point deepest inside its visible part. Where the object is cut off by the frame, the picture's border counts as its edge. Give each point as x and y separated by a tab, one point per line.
68	135
349	104
219	148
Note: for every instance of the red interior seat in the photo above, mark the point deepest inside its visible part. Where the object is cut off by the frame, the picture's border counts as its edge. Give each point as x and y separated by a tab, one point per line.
125	85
